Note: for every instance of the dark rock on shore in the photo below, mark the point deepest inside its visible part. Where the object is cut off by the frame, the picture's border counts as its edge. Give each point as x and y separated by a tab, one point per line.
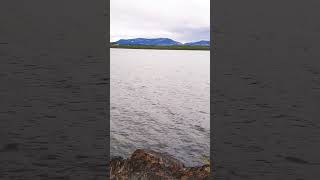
148	164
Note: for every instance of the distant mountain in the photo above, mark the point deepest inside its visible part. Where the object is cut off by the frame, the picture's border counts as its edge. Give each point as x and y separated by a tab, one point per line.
144	41
159	42
198	43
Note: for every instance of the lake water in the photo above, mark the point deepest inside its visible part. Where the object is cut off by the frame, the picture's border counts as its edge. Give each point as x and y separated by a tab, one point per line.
160	100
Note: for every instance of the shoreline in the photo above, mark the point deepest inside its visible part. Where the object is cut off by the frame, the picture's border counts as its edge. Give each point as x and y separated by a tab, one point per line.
199	48
147	164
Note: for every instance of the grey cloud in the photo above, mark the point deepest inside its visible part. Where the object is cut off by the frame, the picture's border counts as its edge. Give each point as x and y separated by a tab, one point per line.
182	20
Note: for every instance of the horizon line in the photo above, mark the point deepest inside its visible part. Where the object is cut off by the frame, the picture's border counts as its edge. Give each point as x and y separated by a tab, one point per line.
161	38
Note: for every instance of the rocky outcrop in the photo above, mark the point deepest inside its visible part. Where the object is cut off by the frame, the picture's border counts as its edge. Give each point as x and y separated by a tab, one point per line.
151	165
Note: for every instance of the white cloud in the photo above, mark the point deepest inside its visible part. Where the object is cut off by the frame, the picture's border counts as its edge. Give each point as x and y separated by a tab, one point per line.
181	20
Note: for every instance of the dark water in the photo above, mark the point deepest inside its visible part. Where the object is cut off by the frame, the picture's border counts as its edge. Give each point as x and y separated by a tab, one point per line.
53	90
160	100
266	90
52	118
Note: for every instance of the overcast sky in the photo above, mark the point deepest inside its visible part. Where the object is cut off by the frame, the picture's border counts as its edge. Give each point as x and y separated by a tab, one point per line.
181	20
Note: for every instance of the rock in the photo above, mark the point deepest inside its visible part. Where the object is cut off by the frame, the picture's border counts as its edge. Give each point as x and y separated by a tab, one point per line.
148	164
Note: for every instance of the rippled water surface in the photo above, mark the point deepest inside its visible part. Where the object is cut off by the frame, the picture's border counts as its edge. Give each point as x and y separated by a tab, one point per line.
160	100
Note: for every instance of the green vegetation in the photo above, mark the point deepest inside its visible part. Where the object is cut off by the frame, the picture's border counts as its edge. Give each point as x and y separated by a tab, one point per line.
173	47
206	160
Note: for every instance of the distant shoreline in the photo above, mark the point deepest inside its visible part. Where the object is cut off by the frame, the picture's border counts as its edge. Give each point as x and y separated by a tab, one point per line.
173	47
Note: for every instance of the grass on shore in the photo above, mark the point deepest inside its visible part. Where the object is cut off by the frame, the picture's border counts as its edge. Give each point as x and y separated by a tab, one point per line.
173	47
206	161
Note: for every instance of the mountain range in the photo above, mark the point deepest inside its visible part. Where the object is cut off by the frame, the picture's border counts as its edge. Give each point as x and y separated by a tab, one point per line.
199	43
159	42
